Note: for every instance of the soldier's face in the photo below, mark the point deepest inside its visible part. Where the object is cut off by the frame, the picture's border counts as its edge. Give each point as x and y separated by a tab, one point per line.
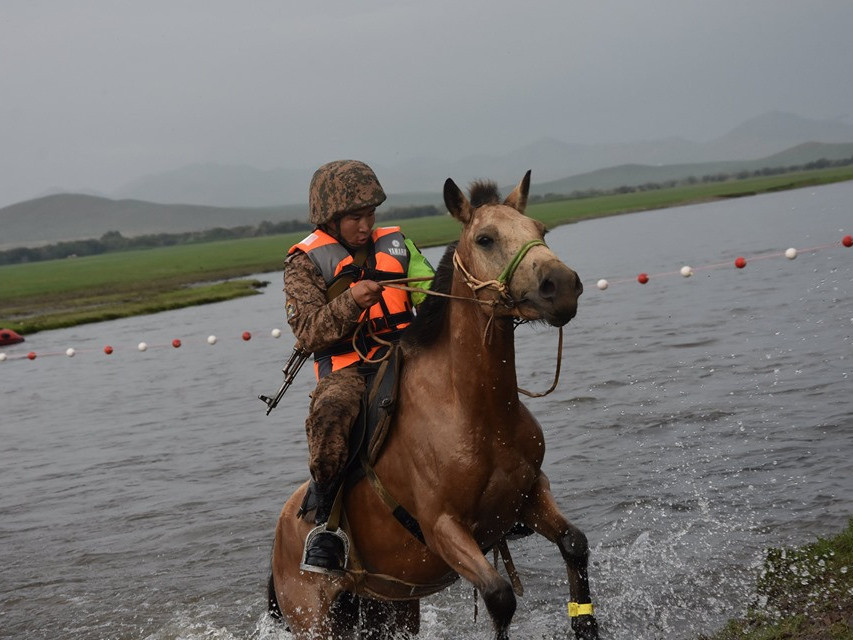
356	226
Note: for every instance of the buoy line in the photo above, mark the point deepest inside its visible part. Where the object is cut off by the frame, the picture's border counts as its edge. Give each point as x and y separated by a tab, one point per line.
603	284
109	349
740	262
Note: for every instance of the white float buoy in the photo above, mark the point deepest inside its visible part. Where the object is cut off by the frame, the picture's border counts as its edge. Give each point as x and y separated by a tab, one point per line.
2	357
211	339
142	346
276	333
791	253
70	352
687	271
602	284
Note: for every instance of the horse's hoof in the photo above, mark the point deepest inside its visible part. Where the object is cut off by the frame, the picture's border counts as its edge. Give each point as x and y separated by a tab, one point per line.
585	628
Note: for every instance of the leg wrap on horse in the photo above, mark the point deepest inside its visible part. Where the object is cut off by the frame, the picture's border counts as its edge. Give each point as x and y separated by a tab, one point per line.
585	627
575	549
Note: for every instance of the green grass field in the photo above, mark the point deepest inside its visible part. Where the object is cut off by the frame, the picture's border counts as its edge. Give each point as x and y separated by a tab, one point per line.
58	293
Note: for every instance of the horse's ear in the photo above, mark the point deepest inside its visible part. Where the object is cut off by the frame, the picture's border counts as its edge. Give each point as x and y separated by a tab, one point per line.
456	202
518	198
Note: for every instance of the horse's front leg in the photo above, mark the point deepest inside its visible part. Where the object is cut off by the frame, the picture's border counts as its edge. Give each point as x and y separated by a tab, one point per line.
542	515
457	547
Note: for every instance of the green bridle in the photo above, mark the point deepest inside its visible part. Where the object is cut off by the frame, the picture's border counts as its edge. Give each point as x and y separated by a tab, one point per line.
501	284
507	273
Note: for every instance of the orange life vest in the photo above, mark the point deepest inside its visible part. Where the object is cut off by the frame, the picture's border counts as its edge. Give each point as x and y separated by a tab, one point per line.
387	258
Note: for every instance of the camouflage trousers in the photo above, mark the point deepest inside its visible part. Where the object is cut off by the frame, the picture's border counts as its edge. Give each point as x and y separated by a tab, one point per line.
334	408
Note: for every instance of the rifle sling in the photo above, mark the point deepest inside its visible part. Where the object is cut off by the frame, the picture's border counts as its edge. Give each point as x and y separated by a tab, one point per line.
343	283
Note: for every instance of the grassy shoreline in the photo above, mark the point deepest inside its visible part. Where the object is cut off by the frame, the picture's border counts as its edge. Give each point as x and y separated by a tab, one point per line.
61	293
801	594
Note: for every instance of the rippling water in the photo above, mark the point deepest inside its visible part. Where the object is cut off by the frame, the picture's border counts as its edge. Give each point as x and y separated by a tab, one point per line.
698	421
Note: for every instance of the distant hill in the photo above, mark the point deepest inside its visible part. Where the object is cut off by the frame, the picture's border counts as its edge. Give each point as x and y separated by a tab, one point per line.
550	159
809	152
74	216
636	174
221	186
775	132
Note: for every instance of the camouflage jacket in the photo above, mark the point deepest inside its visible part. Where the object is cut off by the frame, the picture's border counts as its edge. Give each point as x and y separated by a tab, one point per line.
316	322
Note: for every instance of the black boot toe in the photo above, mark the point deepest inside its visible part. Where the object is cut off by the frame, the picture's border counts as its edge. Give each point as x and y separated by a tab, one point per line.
324	554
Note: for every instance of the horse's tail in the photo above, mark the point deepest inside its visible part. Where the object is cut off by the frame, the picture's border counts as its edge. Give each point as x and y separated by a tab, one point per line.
272	602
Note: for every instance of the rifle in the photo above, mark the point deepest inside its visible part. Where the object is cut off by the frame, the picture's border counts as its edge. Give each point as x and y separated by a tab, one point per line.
291	368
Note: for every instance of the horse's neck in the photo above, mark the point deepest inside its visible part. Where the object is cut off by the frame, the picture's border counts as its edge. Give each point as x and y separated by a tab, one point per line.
481	351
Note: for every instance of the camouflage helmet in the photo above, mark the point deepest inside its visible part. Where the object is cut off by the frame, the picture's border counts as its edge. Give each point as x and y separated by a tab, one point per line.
341	186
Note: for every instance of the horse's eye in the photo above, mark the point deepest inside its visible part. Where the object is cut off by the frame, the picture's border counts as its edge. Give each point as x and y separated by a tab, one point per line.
485	241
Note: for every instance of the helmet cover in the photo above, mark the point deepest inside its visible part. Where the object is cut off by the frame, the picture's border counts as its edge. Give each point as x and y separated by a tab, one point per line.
341	186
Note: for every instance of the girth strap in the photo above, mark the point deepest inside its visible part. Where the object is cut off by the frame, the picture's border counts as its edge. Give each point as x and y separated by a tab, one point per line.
397	510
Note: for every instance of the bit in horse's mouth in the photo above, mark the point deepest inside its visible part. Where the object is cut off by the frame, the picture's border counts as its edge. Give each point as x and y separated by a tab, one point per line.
532	315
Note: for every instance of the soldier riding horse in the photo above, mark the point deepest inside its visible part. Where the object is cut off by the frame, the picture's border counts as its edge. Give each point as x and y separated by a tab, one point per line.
462	456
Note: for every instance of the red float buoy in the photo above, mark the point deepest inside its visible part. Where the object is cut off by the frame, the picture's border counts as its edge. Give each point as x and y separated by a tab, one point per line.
176	343
247	335
740	262
847	241
31	355
108	349
643	278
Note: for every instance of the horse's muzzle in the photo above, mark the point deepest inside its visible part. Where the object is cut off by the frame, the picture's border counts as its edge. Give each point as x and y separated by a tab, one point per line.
557	296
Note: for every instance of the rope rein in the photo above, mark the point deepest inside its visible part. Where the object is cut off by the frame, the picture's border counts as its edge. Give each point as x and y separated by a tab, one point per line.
500	285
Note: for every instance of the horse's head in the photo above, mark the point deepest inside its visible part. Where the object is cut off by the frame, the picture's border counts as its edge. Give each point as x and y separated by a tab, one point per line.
499	243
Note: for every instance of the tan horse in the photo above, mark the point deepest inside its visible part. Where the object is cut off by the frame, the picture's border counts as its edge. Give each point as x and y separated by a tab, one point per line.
463	455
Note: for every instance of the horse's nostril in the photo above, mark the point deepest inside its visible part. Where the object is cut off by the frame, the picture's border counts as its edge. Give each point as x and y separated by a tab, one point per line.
547	289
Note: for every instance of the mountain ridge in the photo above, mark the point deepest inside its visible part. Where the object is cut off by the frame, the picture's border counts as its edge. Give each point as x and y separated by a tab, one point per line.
58	217
553	159
632	174
556	169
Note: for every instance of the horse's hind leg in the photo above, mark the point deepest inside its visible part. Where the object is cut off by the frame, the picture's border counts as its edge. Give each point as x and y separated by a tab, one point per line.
541	513
272	601
386	620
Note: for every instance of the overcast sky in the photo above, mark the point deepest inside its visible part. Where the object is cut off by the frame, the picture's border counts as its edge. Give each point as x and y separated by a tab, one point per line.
95	93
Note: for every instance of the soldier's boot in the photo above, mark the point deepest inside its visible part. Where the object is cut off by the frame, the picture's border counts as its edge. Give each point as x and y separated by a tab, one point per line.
326	550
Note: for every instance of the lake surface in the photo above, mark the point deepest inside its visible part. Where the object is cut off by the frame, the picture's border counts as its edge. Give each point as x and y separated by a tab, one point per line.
697	422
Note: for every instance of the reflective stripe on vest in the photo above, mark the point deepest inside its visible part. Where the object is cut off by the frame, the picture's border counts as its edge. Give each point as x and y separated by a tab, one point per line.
389	255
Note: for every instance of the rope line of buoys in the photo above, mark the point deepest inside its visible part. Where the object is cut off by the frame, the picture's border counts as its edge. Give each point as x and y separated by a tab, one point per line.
739	263
109	349
685	271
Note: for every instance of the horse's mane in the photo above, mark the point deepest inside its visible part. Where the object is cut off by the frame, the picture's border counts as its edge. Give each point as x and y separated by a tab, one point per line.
427	325
483	192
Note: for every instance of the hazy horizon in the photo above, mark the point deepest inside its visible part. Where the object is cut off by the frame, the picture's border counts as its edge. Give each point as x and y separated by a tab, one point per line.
98	93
